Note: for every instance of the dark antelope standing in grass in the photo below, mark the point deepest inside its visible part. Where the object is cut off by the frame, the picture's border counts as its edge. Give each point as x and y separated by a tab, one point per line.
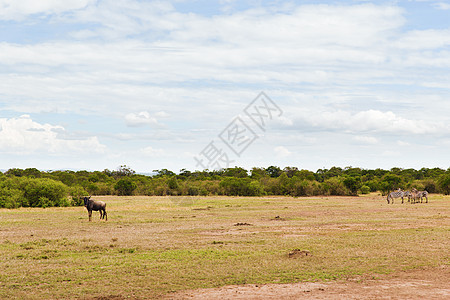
97	206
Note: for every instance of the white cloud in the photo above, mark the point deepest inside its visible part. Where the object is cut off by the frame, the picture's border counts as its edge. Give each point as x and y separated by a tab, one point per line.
282	152
425	39
317	24
17	10
124	18
312	44
323	65
390	153
24	136
152	152
366	139
142	118
442	5
403	144
371	120
162	114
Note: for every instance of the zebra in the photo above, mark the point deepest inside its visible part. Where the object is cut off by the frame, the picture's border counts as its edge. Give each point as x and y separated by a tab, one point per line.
423	194
407	194
415	195
396	194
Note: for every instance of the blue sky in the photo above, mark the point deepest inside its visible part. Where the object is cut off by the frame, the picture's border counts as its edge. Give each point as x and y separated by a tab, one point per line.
95	84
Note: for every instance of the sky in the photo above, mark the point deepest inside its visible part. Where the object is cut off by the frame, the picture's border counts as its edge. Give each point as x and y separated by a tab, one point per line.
96	84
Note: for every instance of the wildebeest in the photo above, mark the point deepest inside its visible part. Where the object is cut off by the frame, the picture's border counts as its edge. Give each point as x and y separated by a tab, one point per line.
97	206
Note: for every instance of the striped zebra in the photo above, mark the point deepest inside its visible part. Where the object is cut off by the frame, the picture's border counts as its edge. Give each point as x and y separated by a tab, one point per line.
407	194
415	196
396	194
423	194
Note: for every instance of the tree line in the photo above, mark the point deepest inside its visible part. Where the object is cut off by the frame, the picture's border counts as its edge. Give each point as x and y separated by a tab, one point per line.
34	188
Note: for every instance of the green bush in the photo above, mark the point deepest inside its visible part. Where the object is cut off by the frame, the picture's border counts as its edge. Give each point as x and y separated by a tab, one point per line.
232	186
34	192
77	192
444	183
31	187
44	191
352	184
300	188
193	190
430	185
44	202
418	185
125	187
334	187
390	182
365	190
10	198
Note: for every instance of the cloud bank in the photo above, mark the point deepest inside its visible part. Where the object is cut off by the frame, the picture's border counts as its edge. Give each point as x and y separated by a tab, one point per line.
109	77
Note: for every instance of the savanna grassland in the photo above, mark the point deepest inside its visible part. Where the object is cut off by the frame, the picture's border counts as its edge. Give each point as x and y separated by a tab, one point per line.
154	246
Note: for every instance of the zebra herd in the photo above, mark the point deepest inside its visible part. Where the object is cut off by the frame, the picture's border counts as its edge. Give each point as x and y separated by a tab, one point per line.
413	196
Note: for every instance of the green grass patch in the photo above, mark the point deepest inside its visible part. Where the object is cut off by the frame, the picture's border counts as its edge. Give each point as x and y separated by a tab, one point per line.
151	246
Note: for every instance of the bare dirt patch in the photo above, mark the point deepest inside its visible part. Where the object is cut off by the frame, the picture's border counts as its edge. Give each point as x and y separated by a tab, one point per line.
296	253
242	224
417	284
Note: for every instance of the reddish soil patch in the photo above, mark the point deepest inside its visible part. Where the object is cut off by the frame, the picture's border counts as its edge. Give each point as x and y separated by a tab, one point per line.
417	284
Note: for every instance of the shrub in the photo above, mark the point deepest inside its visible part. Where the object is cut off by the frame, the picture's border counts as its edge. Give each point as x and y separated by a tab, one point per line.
418	185
373	184
241	187
10	198
103	188
352	184
125	187
365	190
44	191
300	188
44	202
444	183
77	192
334	186
306	187
255	189
430	185
193	190
390	182
22	191
210	187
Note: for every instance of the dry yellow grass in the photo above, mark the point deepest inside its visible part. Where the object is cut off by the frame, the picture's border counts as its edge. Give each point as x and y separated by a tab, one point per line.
151	246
